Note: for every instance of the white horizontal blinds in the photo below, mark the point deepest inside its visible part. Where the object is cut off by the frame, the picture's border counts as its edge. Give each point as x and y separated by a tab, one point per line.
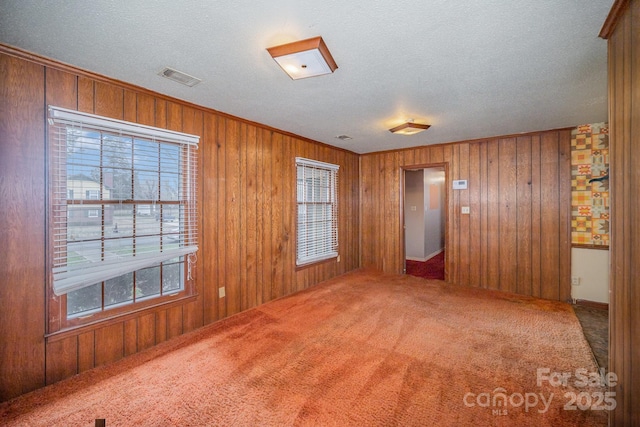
317	198
123	197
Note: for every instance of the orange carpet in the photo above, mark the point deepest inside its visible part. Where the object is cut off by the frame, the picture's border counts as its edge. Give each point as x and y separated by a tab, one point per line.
364	349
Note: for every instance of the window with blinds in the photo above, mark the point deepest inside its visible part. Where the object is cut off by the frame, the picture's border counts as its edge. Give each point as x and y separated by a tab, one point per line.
317	198
123	211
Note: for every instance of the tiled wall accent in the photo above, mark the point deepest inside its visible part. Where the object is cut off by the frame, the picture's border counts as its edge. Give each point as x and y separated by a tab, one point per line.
590	185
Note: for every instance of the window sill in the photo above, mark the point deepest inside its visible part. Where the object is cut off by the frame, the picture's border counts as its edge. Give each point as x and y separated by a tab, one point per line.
117	318
314	263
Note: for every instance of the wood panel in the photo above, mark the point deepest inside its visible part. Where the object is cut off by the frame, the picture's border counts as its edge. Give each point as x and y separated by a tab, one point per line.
536	215
86	351
22	226
508	221
475	216
109	344
493	215
62	359
130	337
623	31
549	227
463	158
247	228
220	248
86	95
109	100
174	321
146	331
209	214
233	212
523	215
518	195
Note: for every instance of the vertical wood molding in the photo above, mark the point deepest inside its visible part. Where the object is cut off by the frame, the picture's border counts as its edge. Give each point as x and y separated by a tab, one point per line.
22	226
623	36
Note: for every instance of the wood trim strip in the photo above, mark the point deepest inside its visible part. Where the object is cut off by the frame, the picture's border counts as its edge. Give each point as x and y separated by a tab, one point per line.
584	246
470	141
100	323
617	10
592	304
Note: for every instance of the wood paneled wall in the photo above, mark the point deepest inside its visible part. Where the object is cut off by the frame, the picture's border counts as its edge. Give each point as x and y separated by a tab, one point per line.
622	30
517	236
247	231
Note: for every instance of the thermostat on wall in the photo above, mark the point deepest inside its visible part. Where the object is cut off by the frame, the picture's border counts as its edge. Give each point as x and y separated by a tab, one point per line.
460	184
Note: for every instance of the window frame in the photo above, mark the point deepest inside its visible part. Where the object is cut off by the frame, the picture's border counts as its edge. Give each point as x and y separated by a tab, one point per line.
58	321
330	240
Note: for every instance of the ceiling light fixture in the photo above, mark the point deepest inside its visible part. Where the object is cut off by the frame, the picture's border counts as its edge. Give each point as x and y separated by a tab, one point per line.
304	58
409	128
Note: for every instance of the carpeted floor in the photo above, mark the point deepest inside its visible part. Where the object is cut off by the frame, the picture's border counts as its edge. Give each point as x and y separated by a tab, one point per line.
363	349
433	268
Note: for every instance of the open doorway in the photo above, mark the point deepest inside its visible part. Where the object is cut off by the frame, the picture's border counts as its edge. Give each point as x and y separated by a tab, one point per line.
424	207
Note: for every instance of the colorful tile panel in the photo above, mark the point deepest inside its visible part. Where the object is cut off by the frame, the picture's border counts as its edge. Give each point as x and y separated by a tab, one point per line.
590	185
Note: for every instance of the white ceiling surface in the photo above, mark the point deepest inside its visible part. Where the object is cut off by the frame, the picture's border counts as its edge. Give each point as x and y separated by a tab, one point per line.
471	69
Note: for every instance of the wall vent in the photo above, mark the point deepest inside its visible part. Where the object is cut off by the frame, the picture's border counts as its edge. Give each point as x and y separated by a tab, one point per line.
179	76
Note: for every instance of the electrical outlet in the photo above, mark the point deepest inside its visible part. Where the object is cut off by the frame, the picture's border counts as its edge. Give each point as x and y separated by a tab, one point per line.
221	292
575	281
466	210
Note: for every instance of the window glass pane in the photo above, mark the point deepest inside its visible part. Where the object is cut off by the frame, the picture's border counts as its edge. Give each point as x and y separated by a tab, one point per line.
118	290
84	300
148	244
146	155
171	277
120	223
83	152
147	282
145	186
83	183
82	250
147	224
116	151
170	215
118	247
169	186
169	158
116	184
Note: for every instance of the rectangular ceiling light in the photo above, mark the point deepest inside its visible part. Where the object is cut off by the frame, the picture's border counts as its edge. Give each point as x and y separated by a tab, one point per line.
304	58
409	128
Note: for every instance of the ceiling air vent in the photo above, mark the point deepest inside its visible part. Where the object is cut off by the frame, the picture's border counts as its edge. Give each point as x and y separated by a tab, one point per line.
344	137
179	76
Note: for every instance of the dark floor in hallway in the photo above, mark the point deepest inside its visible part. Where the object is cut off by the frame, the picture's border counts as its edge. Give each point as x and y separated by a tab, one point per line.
595	325
433	268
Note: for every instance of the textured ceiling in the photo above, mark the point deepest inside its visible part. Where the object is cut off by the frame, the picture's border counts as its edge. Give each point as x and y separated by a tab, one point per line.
471	69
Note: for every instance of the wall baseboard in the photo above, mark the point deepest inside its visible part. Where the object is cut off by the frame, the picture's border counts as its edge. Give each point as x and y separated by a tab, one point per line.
427	258
592	304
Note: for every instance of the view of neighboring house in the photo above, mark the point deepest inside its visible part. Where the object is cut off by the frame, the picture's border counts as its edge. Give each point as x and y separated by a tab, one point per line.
82	188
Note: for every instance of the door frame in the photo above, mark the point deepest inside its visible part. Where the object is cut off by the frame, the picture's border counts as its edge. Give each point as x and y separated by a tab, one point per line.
403	169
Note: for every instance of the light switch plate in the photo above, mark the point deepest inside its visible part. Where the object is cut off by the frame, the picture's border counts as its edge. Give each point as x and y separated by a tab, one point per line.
221	292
